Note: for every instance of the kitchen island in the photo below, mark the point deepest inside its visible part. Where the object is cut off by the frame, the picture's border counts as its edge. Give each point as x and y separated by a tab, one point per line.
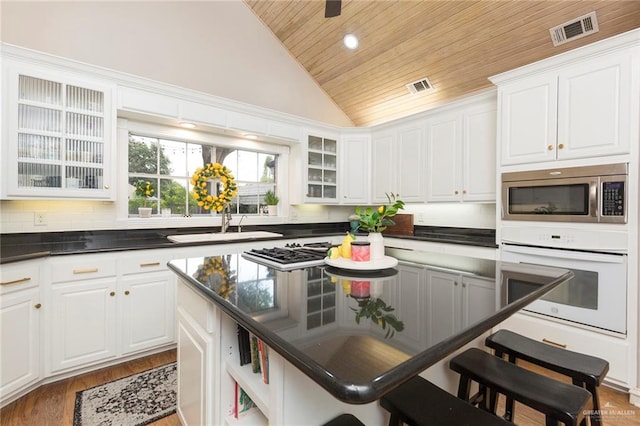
338	339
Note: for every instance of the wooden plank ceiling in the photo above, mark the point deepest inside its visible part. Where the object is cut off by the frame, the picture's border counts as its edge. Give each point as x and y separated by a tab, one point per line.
457	45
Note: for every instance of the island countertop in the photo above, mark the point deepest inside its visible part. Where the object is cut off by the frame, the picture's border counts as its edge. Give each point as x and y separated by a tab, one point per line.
351	331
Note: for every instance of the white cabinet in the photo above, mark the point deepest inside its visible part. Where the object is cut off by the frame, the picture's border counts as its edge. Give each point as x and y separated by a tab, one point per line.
320	169
81	323
461	146
409	303
146	295
455	301
20	314
578	110
354	169
398	159
61	130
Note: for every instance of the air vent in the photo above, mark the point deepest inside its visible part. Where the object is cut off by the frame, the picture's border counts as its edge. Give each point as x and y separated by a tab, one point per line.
574	29
419	86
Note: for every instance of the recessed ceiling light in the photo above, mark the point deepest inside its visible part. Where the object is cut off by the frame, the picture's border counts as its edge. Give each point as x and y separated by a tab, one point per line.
187	125
350	41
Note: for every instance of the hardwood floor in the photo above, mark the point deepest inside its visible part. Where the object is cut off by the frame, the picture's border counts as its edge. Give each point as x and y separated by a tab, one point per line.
52	404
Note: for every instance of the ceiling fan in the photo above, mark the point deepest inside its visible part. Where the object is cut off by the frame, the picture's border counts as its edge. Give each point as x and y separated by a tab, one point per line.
332	8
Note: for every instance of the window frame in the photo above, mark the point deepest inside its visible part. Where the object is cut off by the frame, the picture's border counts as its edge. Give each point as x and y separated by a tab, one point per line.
166	131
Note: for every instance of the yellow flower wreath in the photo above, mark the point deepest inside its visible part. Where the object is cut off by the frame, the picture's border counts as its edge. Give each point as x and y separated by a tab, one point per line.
215	272
200	181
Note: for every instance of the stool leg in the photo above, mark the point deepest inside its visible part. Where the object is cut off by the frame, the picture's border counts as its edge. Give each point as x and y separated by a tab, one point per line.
549	421
464	388
509	406
394	420
596	420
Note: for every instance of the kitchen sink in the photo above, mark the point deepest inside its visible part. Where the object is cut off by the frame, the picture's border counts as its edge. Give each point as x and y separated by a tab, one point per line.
226	236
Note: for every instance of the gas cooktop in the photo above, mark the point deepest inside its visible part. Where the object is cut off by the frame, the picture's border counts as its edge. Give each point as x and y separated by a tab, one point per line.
292	256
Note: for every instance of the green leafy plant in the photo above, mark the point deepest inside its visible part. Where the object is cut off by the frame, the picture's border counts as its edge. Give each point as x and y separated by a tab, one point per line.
378	220
271	198
380	313
145	189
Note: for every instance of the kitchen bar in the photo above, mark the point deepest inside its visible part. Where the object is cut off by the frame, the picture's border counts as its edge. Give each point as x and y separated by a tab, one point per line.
364	342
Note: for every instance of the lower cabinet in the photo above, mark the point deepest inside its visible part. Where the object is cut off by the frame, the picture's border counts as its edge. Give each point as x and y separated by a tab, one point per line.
20	318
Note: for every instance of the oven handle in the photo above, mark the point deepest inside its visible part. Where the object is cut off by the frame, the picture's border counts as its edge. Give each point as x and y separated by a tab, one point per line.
566	254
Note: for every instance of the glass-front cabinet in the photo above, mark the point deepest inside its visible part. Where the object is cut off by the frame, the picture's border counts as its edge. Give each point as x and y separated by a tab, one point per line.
322	176
58	138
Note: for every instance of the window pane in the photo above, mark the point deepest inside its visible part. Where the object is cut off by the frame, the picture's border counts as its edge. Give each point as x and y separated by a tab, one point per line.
174	195
143	154
173	158
267	163
247	166
194	158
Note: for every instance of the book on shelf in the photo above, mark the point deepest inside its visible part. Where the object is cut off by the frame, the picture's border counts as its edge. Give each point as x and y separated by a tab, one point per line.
244	345
255	355
263	350
244	406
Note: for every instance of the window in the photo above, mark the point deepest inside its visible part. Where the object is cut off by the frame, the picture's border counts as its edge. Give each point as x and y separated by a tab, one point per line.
169	164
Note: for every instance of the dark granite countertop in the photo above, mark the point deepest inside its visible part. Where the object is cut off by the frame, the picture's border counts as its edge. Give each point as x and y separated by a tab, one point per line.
25	246
359	360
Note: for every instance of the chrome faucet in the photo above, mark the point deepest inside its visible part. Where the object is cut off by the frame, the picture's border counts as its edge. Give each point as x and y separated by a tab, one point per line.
240	223
226	217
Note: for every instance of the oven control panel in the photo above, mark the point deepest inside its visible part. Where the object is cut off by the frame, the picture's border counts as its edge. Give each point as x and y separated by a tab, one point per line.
613	199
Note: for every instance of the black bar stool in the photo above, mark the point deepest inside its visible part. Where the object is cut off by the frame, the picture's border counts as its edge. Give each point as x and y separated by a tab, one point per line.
344	420
419	402
584	370
558	401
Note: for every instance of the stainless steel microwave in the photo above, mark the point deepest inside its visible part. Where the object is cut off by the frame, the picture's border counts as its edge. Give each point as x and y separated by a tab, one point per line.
575	194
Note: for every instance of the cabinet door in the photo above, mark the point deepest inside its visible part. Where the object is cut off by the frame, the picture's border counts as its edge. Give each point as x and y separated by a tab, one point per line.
62	131
20	331
594	107
409	305
479	299
322	170
444	305
82	328
443	158
383	175
354	169
410	165
479	154
195	373
528	120
148	310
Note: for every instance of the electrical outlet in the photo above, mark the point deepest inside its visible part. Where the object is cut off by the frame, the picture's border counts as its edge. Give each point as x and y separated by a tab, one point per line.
40	218
421	217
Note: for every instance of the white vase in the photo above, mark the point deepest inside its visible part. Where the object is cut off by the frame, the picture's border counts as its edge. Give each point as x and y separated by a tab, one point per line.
273	210
144	211
376	247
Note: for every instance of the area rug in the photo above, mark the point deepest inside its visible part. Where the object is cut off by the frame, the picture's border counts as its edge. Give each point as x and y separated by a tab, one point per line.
131	401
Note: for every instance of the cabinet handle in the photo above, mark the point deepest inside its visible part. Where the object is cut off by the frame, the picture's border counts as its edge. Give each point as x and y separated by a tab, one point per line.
464	191
37	305
145	265
551	342
455	283
455	192
85	271
550	147
18	281
560	145
113	293
106	187
126	292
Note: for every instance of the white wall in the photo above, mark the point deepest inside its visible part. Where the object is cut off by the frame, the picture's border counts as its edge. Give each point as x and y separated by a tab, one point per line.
217	47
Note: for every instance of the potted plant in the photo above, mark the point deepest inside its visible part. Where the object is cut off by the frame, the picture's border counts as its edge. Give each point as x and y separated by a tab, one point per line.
145	190
376	221
272	201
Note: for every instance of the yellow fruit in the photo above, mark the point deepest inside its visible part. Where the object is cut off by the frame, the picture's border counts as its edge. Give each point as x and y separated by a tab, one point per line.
348	238
346	249
334	279
334	252
381	209
346	287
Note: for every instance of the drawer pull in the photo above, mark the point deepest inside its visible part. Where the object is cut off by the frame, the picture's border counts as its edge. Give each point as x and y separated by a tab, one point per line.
551	342
85	271
126	292
18	281
145	265
113	293
37	306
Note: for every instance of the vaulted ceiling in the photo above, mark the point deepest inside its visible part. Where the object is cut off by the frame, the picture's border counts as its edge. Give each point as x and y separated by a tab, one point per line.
456	44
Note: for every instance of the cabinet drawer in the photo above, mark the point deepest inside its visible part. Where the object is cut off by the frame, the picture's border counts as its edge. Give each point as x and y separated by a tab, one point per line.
19	276
152	261
82	268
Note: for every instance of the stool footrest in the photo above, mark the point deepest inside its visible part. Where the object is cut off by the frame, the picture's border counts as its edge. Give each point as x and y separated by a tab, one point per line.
557	400
419	402
344	420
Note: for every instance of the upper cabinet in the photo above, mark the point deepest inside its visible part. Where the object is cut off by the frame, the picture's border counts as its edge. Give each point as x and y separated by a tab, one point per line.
320	169
580	109
354	168
397	166
461	152
59	135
